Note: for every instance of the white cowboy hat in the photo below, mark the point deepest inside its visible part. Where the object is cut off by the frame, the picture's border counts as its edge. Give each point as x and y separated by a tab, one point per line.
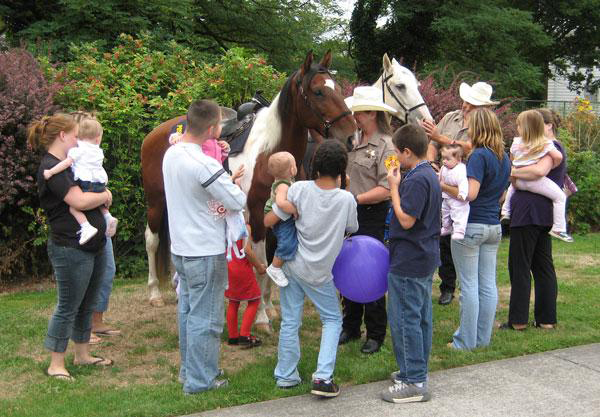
480	94
367	98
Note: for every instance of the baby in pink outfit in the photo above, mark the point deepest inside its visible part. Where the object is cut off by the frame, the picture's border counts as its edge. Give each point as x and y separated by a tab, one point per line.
216	149
455	211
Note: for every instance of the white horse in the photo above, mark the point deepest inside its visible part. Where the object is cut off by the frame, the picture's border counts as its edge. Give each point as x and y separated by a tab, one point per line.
400	89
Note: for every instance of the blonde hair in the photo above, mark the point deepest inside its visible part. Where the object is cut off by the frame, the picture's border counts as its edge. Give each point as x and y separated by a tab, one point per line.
531	123
89	128
279	164
42	133
485	131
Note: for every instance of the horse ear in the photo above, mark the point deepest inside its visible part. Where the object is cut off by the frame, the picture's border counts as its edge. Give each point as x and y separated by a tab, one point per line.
307	63
326	61
387	64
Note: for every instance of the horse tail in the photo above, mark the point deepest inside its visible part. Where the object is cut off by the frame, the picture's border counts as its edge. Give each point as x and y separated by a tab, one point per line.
163	253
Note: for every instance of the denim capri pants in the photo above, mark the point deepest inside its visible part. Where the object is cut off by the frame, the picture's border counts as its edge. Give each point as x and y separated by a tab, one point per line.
78	276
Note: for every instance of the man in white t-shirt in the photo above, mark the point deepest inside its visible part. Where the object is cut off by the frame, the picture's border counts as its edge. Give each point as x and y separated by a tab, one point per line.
199	192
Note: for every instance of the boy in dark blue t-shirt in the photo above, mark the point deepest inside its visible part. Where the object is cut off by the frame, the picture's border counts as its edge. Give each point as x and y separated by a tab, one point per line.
414	256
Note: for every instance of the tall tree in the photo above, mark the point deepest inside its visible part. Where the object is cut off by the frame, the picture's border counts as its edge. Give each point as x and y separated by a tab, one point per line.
281	30
575	47
510	42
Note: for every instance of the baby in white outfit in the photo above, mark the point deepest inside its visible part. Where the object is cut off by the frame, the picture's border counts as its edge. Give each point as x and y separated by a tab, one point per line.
455	211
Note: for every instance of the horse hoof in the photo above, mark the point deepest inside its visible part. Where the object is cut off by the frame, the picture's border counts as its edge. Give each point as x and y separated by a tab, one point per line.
157	302
272	313
264	328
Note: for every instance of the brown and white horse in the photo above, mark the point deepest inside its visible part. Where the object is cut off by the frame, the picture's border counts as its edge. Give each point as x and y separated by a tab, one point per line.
309	100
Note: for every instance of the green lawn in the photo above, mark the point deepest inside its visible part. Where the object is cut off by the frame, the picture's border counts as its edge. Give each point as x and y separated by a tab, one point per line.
143	381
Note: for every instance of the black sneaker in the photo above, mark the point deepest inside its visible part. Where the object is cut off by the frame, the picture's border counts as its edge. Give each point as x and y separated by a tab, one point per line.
325	388
233	341
248	342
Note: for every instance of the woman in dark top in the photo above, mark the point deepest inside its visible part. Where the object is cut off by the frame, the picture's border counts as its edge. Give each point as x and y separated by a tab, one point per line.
474	256
77	268
530	250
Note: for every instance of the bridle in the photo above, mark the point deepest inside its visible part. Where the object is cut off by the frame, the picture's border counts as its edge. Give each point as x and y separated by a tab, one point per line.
327	124
384	86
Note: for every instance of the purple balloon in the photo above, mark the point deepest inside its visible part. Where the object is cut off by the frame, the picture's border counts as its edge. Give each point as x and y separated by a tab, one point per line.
360	270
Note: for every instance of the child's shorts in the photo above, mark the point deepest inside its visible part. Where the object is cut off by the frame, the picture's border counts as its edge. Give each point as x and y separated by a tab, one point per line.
94	187
287	239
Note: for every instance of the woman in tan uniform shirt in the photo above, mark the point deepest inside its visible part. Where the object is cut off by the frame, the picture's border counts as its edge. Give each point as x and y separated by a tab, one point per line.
368	163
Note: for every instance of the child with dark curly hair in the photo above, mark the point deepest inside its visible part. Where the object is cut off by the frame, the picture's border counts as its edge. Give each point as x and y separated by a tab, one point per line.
325	213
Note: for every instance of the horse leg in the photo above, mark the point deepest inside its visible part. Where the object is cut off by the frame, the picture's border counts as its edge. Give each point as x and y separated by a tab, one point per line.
152	240
269	245
262	321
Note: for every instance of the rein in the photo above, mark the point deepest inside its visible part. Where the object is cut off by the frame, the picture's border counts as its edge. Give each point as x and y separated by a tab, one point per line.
384	86
327	124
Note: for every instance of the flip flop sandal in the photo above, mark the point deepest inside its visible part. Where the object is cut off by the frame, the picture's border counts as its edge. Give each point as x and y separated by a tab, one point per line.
98	361
61	377
108	332
94	339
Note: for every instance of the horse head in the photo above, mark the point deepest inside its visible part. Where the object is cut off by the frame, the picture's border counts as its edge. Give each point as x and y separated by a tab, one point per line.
319	100
400	90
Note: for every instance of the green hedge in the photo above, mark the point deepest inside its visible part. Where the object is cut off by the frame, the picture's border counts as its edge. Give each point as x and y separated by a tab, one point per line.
133	89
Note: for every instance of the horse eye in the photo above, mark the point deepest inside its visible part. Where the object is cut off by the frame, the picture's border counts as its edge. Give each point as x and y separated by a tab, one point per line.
318	93
400	86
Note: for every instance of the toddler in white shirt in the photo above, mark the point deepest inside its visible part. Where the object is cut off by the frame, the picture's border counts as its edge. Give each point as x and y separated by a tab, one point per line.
86	162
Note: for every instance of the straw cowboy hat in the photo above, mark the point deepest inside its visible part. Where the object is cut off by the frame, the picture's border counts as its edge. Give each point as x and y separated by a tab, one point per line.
367	98
480	94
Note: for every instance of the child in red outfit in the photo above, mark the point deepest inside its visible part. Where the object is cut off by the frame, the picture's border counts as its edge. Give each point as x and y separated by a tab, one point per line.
243	287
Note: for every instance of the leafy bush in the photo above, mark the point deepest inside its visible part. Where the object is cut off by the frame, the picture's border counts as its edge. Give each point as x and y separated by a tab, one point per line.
580	135
583	208
584	127
24	95
133	89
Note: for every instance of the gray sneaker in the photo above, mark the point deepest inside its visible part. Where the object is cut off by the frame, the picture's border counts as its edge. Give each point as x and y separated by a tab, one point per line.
395	377
220	383
401	392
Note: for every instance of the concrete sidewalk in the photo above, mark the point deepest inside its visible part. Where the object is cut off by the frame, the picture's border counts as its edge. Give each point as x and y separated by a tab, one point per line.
561	383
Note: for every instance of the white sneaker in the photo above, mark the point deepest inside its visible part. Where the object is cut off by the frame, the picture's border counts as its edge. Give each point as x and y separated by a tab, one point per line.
277	275
111	226
86	233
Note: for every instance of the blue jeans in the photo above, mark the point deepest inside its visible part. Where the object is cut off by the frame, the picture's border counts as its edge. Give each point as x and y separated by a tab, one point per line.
411	324
475	262
325	299
106	281
200	313
287	239
78	274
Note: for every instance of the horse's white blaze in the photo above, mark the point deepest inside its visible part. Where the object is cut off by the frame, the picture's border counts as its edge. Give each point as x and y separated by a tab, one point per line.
329	83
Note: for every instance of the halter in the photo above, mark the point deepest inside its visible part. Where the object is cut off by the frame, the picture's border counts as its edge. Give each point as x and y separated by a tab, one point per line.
384	86
327	124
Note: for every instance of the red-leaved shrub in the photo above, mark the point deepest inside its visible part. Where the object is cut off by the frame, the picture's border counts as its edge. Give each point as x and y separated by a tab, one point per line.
24	96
